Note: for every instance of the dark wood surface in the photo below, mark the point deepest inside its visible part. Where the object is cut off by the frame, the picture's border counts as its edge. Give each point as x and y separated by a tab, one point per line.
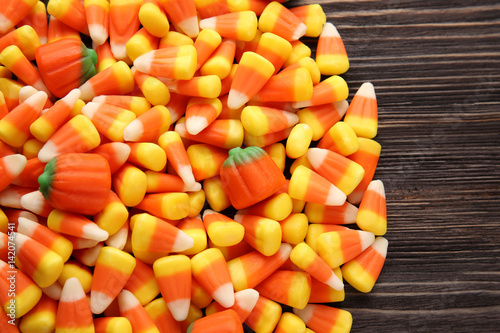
435	67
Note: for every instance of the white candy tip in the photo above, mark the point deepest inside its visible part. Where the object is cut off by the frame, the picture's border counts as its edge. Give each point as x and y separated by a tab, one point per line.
182	242
179	308
14	164
224	295
133	131
196	124
99	301
367	238
72	290
366	90
236	99
335	197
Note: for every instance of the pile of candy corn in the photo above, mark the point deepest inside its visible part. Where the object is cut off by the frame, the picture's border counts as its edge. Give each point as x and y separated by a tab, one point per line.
182	166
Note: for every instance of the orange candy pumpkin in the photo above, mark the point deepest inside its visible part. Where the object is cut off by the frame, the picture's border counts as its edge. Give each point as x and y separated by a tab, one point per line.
77	183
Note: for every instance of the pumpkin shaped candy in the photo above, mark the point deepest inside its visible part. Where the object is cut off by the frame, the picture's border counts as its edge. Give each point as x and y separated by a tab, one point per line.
249	175
77	183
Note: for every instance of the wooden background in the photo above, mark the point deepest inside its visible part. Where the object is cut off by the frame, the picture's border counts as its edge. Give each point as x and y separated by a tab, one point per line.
435	67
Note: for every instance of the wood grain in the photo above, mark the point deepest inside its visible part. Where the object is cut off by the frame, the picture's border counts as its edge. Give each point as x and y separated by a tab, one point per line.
435	67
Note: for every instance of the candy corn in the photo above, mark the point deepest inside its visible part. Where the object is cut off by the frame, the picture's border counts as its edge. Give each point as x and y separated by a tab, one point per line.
338	247
259	120
287	287
183	14
281	21
251	75
224	321
239	25
131	309
211	271
367	156
264	316
112	270
173	274
123	24
97	14
161	316
14	127
322	318
10	167
151	234
73	311
75	225
372	213
362	114
153	18
13	12
331	55
176	62
362	271
307	185
41	318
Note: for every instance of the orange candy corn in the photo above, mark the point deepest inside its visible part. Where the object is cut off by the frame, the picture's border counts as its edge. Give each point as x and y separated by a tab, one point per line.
171	205
210	269
61	75
10	167
318	213
244	302
339	170
151	234
97	14
200	113
251	75
289	86
183	14
274	48
209	8
248	270
290	322
362	114
13	12
105	57
341	139
52	119
263	234
71	12
78	135
25	38
158	182
372	213
261	120
322	117
206	160
264	316
331	55
312	16
73	311
112	324
323	318
37	261
14	127
279	20
46	237
75	225
123	24
116	153
142	283
238	25
59	30
13	58
161	316
363	271
205	44
109	120
27	292
177	156
307	185
222	133
42	317
304	257
221	60
112	271
153	89
367	156
78	183
222	230
131	309
331	89
173	274
224	321
250	175
130	184
208	86
115	80
323	293
340	246
291	288
147	155
176	62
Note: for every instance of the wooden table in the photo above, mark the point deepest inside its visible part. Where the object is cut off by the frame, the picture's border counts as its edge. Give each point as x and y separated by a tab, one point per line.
435	67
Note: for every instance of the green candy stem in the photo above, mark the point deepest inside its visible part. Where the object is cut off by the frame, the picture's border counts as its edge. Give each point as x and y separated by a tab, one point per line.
239	156
47	177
